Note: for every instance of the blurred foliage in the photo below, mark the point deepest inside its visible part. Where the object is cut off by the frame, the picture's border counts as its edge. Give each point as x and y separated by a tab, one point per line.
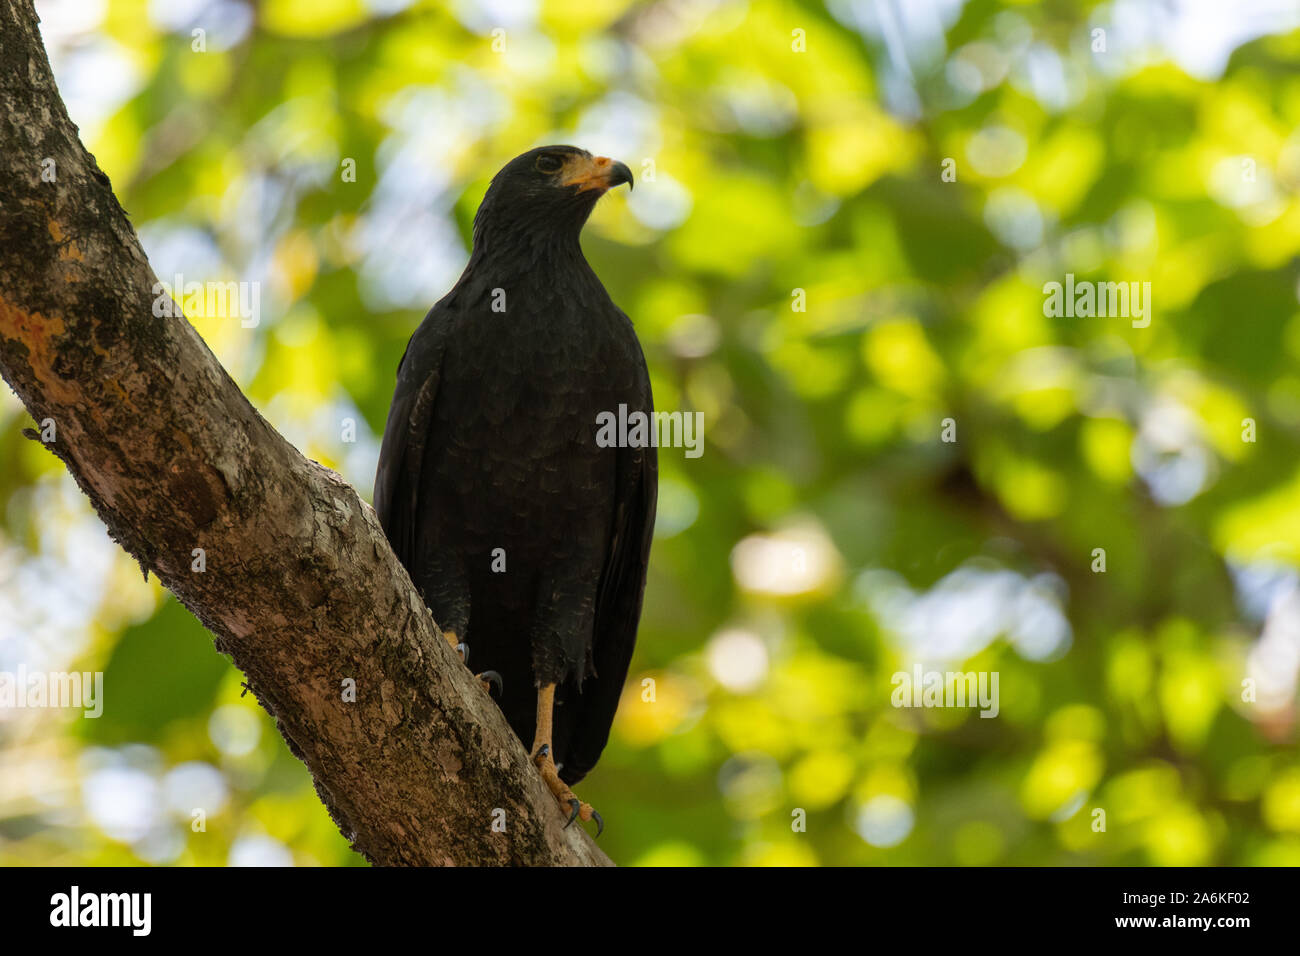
828	537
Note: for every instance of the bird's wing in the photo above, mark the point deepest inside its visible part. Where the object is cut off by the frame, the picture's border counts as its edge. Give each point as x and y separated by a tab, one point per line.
618	609
397	480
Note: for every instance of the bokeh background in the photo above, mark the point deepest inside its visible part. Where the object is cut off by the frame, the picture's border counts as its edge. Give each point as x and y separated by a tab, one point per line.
827	537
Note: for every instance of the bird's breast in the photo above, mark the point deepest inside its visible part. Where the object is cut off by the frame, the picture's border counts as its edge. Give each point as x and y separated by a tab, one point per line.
517	413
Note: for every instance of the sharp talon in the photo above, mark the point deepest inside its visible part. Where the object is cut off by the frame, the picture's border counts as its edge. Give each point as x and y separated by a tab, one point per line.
463	649
574	815
492	679
600	824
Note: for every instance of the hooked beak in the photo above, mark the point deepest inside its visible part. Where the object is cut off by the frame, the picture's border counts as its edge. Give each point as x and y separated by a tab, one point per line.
597	172
620	174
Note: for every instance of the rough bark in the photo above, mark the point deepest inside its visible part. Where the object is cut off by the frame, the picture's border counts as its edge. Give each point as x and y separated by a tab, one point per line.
301	589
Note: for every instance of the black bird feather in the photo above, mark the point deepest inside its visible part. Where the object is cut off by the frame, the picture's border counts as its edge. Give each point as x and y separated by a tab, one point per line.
491	444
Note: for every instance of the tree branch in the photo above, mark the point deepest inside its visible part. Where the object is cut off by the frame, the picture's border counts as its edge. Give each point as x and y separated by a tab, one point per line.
301	588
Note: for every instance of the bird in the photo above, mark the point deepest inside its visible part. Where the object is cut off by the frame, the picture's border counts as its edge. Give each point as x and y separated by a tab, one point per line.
527	536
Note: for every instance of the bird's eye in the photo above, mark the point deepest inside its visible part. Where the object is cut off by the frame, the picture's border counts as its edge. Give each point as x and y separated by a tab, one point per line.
548	164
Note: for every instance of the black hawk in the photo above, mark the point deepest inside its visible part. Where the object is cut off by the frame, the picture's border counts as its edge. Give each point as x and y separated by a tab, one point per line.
527	537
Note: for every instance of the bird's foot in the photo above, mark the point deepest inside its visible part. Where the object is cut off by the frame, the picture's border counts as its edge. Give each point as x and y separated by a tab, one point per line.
570	805
488	679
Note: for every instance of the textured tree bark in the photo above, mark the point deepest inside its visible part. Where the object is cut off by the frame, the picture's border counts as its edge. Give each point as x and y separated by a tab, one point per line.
301	588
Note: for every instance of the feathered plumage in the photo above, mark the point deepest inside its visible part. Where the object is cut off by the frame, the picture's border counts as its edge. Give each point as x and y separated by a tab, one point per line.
527	539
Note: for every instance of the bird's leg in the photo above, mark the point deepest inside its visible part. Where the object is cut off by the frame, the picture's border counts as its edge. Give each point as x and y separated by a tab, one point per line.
544	758
488	678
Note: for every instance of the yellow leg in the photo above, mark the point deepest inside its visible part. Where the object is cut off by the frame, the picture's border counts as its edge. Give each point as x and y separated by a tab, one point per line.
544	758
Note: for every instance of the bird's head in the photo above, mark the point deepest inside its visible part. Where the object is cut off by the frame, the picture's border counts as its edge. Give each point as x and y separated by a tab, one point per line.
550	190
